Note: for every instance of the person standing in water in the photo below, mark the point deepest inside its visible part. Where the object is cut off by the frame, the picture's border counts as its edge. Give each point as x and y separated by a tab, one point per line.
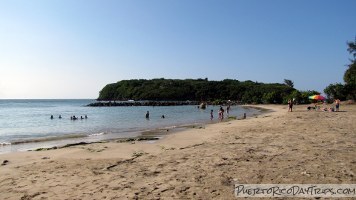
211	115
221	113
147	115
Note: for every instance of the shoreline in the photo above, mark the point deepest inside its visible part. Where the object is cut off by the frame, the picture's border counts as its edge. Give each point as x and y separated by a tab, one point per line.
156	135
36	144
276	147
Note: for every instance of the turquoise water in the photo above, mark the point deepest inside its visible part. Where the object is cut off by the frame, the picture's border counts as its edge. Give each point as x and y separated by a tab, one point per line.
26	124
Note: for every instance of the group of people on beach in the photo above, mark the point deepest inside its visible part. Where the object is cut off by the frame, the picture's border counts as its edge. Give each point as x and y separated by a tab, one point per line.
316	107
72	117
329	109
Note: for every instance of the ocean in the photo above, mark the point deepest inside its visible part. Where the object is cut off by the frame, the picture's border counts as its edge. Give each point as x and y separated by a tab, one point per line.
27	124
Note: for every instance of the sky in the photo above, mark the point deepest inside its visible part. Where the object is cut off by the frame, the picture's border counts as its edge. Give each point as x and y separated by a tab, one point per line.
72	48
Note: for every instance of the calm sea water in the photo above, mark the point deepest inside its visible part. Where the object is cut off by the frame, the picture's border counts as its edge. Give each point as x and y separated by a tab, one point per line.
26	124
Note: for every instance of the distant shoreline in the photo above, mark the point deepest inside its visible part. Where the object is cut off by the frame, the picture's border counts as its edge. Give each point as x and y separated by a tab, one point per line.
142	103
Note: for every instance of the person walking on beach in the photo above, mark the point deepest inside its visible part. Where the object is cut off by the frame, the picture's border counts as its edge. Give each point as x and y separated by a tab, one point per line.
211	115
147	115
290	105
337	105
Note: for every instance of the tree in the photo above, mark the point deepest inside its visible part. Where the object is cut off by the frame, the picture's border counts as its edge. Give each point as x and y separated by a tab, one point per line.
269	97
296	96
335	91
352	48
289	83
350	73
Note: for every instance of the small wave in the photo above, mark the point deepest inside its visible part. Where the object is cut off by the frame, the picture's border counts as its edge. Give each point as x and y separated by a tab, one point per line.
168	127
96	134
46	139
4	143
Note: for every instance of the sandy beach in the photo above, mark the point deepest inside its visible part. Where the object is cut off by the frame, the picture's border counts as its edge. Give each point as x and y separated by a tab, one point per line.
277	147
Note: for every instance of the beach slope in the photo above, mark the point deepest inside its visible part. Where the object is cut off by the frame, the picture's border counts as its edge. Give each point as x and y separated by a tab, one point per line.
199	163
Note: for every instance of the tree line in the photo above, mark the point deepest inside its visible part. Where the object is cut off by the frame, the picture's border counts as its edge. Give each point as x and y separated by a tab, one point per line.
203	90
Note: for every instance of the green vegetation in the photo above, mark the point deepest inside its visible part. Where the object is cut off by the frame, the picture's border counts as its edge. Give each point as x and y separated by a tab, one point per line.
347	90
289	83
197	90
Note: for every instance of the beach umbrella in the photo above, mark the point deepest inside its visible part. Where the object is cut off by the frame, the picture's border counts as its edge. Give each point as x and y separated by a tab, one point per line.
317	97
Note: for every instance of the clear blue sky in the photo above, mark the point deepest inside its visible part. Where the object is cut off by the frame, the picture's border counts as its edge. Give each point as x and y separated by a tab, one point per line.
73	48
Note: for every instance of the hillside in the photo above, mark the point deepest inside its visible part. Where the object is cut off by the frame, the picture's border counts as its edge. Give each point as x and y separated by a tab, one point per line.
196	90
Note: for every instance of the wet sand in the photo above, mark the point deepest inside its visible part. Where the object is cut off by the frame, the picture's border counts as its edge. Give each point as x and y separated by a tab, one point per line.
199	163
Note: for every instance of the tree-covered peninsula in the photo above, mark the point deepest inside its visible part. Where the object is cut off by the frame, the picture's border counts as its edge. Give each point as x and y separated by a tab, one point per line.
200	90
